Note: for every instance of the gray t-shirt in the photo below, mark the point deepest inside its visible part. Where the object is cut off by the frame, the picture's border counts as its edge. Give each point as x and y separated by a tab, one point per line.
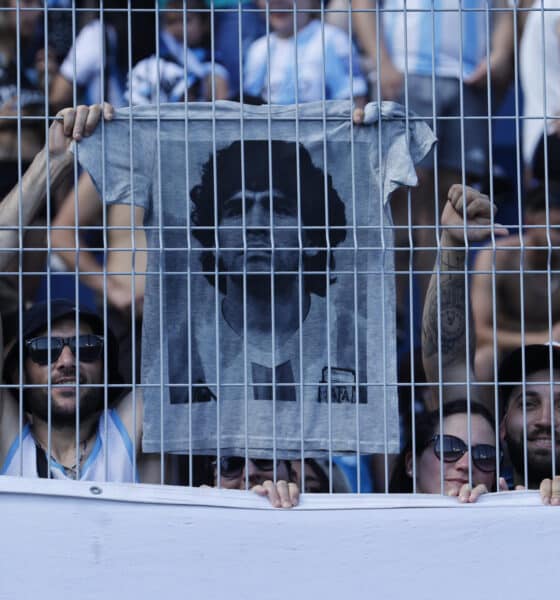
272	326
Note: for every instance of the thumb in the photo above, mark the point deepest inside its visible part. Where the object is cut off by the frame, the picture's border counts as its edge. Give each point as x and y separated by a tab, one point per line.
478	76
503	486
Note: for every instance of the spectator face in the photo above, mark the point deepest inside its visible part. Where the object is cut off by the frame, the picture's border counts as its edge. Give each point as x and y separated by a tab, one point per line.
28	19
539	423
174	23
65	375
455	474
314	483
232	472
197	29
258	232
282	15
197	25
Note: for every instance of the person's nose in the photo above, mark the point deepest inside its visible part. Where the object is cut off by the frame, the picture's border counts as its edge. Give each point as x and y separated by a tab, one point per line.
543	415
257	215
66	359
463	463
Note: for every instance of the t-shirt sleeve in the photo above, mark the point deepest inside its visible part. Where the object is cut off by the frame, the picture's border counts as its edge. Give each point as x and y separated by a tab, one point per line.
87	49
342	61
121	166
400	151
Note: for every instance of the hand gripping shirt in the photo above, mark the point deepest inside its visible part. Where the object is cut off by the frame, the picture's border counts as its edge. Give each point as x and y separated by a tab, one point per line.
272	326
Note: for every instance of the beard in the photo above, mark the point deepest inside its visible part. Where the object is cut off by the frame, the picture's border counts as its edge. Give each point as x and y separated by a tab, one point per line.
36	402
539	461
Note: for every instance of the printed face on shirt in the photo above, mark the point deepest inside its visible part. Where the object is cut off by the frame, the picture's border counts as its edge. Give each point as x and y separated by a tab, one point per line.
539	395
261	222
65	374
455	474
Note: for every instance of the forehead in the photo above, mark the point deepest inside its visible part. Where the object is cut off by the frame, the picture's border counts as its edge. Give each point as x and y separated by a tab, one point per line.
65	328
540	216
457	424
539	380
537	384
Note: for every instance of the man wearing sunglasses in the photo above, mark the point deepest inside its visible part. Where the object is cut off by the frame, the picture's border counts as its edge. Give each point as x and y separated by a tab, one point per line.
527	427
74	415
74	410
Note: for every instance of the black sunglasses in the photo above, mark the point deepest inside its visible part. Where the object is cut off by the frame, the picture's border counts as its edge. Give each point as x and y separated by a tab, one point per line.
231	467
452	448
90	348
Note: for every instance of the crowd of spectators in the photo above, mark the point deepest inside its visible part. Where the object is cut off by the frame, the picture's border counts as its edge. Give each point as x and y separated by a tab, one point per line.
487	374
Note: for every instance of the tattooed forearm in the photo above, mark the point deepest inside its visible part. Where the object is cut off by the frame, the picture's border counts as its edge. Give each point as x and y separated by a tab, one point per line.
452	338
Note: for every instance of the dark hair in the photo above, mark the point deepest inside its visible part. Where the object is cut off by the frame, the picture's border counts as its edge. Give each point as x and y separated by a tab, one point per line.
283	167
427	424
193	7
535	199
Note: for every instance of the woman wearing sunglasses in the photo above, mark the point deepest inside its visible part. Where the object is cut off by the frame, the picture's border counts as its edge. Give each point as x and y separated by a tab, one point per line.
449	448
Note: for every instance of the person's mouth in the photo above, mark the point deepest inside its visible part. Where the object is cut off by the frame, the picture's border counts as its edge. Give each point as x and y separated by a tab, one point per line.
541	441
458	481
68	381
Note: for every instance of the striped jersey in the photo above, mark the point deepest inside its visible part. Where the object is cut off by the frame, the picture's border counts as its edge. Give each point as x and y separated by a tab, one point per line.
327	66
117	445
174	78
427	36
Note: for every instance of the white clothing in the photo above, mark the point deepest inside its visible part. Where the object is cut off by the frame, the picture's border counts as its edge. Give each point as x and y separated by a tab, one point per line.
89	72
432	30
327	66
540	68
117	445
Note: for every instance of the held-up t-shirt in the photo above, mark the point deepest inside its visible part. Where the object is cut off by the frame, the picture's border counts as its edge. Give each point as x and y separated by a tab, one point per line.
272	326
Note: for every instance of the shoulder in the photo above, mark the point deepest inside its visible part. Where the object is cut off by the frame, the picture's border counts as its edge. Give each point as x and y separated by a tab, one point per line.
90	34
9	418
129	408
259	47
336	39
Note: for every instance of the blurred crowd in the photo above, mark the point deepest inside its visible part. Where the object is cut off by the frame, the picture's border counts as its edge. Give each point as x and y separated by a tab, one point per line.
478	360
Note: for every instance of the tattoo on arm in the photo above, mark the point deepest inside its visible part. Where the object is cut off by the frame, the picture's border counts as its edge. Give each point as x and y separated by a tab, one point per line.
452	338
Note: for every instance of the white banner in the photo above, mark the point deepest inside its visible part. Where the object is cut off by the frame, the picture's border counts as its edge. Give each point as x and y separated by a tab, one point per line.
78	540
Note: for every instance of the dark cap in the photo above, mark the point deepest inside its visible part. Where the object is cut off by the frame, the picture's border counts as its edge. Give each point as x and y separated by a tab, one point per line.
511	374
36	319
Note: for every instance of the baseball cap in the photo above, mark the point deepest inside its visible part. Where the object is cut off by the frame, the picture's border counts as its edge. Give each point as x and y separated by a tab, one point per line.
36	319
537	358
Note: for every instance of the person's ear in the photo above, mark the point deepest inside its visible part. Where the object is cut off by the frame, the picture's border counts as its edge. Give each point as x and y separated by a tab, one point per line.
408	464
529	218
503	428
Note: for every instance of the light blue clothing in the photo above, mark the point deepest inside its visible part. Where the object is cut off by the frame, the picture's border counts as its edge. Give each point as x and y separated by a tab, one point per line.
327	66
84	64
229	26
117	446
430	32
169	74
320	381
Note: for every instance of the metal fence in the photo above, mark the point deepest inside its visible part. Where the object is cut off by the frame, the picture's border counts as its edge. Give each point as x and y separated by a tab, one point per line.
281	293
